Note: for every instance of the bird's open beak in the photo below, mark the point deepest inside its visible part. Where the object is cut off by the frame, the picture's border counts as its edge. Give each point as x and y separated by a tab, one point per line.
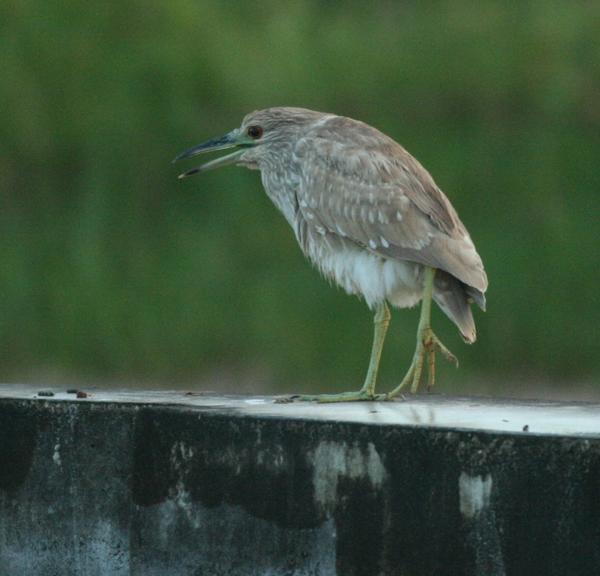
231	140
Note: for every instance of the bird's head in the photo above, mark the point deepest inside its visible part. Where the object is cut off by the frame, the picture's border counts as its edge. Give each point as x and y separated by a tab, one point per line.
262	136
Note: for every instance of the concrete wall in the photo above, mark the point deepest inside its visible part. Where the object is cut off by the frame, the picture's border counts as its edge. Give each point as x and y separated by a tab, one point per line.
168	484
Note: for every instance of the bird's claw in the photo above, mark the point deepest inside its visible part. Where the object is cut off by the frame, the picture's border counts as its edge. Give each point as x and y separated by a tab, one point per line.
437	345
287	399
427	345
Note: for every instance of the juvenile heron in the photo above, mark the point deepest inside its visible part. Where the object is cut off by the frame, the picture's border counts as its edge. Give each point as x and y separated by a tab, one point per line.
369	217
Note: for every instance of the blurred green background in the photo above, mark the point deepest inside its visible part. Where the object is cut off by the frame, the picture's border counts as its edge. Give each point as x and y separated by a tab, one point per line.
112	271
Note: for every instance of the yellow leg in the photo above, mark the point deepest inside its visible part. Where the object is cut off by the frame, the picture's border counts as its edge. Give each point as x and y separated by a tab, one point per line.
427	344
367	392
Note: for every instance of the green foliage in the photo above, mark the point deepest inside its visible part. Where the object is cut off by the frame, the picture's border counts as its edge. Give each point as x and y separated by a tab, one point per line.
112	269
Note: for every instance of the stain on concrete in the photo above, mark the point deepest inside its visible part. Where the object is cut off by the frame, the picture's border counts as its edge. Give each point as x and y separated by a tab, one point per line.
151	477
56	455
332	461
480	524
18	434
185	491
474	492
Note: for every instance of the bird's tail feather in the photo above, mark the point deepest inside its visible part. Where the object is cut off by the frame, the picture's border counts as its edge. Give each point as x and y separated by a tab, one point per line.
451	296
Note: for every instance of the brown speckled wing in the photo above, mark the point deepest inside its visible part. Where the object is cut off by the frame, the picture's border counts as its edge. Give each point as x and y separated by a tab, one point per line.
359	184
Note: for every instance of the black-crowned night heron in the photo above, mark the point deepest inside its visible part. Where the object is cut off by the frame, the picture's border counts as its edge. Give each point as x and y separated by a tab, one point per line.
369	217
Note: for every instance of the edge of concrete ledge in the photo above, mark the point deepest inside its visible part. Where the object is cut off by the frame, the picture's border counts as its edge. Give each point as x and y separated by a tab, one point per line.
497	415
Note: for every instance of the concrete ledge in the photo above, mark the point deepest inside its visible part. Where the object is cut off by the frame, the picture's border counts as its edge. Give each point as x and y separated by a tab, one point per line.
153	483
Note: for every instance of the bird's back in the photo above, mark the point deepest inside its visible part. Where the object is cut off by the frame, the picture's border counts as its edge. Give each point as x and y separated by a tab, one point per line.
359	183
356	186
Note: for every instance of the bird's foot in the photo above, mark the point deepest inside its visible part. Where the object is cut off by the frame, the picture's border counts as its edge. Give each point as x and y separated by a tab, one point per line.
427	345
360	396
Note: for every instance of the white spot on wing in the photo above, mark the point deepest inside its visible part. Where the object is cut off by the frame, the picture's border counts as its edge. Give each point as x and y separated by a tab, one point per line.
384	242
398	215
420	243
373	244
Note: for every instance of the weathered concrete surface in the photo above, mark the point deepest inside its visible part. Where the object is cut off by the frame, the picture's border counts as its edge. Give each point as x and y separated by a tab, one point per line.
166	483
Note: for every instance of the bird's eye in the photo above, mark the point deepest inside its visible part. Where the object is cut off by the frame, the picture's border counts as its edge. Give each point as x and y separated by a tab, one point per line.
255	132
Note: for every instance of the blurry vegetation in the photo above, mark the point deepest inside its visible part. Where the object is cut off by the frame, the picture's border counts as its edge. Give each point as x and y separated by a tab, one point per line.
111	269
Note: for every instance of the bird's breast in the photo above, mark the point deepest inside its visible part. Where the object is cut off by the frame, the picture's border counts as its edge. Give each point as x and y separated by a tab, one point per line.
351	266
359	271
281	189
